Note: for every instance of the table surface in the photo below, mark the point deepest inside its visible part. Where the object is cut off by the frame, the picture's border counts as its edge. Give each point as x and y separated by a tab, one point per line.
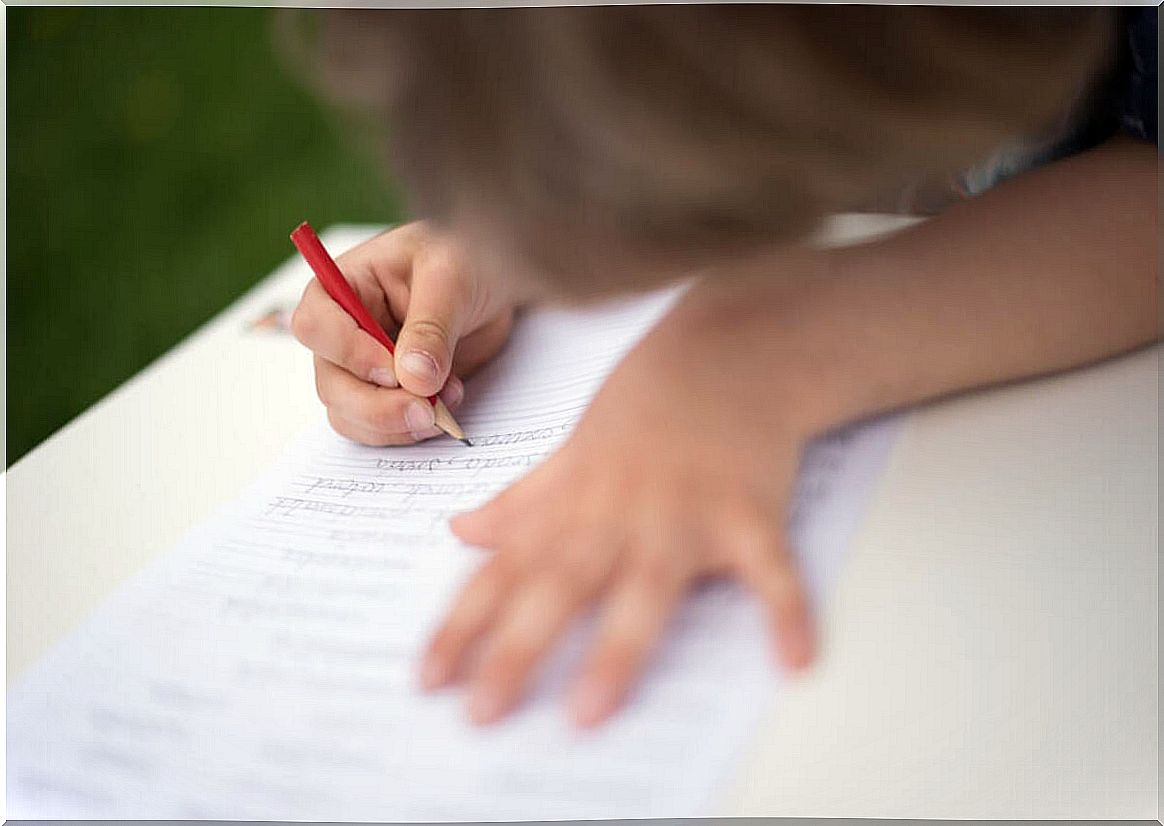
992	648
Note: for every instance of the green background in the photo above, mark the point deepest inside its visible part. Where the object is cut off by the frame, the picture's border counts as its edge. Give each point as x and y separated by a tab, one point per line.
157	159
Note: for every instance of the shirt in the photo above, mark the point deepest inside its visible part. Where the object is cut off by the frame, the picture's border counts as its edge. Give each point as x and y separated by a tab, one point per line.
1126	103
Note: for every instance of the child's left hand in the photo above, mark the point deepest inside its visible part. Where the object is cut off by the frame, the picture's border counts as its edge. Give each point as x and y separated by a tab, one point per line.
680	470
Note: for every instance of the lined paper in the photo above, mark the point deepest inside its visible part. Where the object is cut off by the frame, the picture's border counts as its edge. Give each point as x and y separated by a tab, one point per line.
265	668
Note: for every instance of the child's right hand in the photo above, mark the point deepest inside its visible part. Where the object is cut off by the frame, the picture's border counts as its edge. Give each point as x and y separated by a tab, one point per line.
451	322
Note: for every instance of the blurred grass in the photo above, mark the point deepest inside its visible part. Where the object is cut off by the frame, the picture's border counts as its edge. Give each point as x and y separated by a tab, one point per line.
157	159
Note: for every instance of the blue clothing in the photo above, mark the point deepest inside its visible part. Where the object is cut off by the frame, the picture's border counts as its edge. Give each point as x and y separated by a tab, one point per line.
1127	102
1138	115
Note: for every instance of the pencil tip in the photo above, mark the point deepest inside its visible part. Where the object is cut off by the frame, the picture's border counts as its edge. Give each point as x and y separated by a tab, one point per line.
465	442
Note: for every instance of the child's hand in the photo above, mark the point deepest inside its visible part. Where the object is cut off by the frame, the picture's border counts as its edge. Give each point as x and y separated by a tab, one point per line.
683	465
681	469
451	322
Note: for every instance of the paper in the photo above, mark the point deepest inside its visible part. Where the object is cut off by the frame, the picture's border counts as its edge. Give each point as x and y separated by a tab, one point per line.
265	668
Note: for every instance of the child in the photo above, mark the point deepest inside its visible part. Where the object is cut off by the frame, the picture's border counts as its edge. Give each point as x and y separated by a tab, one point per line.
582	151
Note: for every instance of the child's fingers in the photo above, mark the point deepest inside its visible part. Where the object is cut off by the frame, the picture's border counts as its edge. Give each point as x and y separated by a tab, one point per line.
374	438
379	268
479	528
439	305
635	616
472	612
485	526
538	615
788	606
494	522
482	344
328	331
382	411
768	568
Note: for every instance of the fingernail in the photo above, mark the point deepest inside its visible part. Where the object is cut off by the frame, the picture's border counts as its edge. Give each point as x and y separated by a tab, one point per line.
468	519
591	702
433	673
419	416
485	704
453	393
383	376
427	433
421	365
796	647
457	525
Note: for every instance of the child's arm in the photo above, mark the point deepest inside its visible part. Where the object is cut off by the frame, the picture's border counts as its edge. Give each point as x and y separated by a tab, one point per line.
682	466
1054	269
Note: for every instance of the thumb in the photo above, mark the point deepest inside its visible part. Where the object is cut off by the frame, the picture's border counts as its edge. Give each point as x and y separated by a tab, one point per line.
437	306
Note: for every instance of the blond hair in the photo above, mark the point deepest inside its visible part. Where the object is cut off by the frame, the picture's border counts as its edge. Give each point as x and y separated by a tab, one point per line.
581	137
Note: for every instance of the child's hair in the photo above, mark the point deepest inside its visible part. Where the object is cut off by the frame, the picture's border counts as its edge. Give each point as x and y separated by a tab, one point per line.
588	140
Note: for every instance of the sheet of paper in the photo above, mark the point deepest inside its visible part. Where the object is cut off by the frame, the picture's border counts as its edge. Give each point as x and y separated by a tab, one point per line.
264	669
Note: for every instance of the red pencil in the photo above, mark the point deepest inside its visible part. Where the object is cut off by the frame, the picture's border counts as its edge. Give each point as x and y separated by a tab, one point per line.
341	292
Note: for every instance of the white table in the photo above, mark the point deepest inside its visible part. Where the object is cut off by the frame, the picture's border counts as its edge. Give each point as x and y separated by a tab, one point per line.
992	648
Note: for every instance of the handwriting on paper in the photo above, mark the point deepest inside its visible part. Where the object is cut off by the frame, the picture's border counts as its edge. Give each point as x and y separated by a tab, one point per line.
265	668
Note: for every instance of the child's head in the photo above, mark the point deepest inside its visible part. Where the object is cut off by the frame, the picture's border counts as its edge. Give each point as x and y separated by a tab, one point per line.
613	147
